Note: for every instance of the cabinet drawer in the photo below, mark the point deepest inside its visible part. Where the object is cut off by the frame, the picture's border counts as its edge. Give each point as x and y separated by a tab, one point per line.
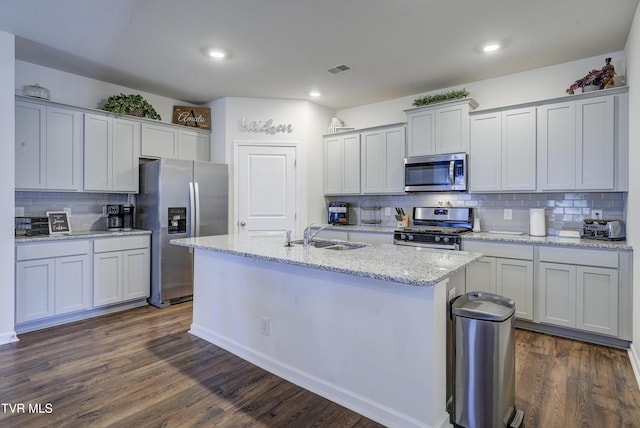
121	243
576	256
492	249
43	250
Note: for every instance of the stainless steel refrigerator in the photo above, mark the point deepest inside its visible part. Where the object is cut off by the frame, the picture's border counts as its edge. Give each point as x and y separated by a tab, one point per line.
179	199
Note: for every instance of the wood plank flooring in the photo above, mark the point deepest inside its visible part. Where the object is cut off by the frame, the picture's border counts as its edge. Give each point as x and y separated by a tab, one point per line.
141	368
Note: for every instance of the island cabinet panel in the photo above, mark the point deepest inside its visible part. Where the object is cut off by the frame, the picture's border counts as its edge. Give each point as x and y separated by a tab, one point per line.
121	270
342	164
52	279
507	270
580	290
48	147
111	154
439	128
383	161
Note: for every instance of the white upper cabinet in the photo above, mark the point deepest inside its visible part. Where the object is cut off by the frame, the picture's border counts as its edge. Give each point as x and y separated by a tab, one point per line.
578	148
342	164
168	141
48	147
439	128
383	160
503	151
111	154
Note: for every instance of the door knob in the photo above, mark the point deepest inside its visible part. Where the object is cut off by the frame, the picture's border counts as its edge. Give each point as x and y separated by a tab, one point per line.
242	223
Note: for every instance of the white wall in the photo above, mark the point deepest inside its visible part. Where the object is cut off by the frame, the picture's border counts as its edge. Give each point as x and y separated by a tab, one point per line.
7	180
632	51
75	90
533	85
310	122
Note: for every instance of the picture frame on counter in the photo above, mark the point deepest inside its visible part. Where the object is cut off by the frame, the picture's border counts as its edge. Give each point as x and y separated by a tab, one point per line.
58	222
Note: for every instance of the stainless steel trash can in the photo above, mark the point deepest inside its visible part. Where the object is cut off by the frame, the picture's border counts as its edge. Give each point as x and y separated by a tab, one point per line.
484	362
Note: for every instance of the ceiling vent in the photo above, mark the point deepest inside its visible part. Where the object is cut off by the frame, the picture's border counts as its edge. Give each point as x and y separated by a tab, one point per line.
339	69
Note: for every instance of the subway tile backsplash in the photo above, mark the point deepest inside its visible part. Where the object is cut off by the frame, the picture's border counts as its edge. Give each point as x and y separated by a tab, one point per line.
562	209
85	208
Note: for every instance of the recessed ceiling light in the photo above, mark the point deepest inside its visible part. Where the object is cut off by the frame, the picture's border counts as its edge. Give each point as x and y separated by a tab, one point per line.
217	54
491	47
314	94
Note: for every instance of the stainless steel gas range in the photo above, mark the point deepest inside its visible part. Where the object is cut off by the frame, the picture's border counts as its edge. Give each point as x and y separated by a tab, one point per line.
436	227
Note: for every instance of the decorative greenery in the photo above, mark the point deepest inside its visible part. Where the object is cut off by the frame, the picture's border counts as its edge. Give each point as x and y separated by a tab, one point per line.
133	105
602	78
444	96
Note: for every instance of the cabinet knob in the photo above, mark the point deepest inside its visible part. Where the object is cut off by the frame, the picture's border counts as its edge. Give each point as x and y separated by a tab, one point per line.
242	223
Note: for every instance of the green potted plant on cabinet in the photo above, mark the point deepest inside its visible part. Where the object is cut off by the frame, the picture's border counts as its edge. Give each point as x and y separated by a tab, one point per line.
132	105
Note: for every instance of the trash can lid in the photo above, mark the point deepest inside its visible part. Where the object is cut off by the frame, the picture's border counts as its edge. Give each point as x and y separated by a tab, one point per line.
484	306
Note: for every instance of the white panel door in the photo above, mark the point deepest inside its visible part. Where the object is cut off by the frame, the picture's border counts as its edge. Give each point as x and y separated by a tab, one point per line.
34	289
73	284
126	155
266	189
519	149
485	153
107	278
595	145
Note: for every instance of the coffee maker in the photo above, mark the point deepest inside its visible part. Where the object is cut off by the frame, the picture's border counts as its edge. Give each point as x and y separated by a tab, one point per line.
114	217
127	216
338	213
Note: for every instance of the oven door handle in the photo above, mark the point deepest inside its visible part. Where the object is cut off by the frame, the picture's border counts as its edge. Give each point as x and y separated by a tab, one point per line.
452	165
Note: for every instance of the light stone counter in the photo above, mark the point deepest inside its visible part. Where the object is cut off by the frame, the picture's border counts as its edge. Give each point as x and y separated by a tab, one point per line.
547	240
83	234
394	263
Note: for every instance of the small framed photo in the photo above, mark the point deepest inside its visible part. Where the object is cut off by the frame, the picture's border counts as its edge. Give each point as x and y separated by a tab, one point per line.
58	222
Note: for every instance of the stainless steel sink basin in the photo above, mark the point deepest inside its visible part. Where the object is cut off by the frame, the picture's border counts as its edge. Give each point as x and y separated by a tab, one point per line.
332	245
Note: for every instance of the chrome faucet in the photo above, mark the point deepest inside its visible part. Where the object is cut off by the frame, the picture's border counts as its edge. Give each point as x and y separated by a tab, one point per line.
308	235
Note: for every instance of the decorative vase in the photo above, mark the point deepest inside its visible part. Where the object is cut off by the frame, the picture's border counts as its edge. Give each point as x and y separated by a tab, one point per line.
590	88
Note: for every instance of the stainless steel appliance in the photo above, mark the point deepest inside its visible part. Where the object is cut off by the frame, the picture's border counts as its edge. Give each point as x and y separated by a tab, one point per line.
127	216
436	227
338	213
437	173
179	199
610	230
114	217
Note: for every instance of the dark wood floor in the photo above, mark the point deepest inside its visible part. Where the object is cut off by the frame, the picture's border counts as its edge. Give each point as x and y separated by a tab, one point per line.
141	368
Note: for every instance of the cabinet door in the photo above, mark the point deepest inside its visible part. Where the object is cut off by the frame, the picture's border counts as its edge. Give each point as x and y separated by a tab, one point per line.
515	281
187	145
394	157
64	149
34	289
597	300
107	278
373	162
451	129
595	143
557	294
30	146
97	152
421	139
72	284
485	153
557	146
204	149
481	275
519	149
333	165
159	141
351	164
126	155
136	274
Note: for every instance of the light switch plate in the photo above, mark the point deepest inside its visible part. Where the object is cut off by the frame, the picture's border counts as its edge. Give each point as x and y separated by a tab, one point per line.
508	214
597	214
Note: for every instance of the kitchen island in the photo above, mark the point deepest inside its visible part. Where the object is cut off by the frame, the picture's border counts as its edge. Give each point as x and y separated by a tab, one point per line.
365	328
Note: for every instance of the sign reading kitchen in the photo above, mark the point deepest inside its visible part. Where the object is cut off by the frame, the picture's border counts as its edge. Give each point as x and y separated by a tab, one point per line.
195	117
266	127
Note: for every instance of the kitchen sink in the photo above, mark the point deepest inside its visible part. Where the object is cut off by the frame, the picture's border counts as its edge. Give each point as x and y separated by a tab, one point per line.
332	245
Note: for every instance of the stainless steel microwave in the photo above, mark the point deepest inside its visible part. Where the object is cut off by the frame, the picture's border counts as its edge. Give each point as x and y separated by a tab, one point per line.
437	173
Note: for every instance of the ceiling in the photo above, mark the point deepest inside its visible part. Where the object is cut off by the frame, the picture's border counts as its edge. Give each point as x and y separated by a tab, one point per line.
283	48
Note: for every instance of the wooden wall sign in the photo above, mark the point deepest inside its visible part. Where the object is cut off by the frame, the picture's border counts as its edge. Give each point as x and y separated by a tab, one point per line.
194	117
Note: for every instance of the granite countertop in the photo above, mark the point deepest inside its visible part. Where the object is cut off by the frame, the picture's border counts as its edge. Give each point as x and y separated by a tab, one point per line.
81	234
394	263
547	240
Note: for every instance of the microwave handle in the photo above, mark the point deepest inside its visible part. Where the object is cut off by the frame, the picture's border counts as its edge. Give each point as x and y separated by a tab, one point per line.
452	169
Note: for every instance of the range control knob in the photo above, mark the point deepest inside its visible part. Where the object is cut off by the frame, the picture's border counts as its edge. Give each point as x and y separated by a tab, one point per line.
446	239
410	237
437	239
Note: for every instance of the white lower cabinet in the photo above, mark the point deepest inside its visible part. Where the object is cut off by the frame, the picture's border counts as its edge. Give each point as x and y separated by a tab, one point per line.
507	270
120	270
580	292
52	279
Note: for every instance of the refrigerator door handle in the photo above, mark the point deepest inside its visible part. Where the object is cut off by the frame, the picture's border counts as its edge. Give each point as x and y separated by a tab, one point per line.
197	199
192	210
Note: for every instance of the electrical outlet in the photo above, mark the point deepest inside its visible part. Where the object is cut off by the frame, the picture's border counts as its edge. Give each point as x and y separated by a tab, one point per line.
265	326
387	211
508	214
452	293
104	212
597	214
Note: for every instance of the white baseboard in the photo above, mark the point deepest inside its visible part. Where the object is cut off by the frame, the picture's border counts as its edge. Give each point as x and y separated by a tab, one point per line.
8	337
634	358
362	405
